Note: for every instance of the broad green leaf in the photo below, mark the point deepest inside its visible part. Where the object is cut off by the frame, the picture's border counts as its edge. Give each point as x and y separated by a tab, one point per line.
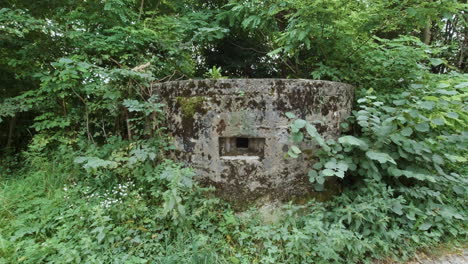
340	174
428	105
425	226
422	127
344	126
394	171
328	172
436	61
452	115
312	173
317	166
295	149
416	86
438	121
65	60
407	131
447	92
380	157
343	166
460	190
320	180
290	115
450	212
292	154
299	123
331	164
311	130
397	208
298	137
461	85
399	102
353	141
437	159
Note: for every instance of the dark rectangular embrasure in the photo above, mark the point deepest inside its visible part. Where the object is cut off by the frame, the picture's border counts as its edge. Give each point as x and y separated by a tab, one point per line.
241	146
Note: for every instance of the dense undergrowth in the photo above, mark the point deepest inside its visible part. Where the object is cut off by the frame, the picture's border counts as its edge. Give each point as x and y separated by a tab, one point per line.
57	213
84	175
121	202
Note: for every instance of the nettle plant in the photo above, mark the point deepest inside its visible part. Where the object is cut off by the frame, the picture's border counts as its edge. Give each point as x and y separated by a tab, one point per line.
413	138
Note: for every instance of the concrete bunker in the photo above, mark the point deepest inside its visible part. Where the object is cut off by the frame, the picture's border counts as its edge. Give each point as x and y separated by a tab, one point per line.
234	132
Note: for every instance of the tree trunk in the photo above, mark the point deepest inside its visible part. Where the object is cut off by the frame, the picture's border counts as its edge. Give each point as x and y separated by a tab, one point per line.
11	130
129	128
427	32
461	64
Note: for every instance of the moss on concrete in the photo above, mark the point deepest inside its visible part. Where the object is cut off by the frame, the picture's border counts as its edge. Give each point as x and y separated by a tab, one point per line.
191	105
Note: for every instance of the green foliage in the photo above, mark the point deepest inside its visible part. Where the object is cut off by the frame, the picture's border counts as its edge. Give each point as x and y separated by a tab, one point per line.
407	143
53	216
408	134
191	105
215	73
332	39
84	173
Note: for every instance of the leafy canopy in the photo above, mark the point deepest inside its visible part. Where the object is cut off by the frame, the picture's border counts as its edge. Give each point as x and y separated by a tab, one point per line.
84	168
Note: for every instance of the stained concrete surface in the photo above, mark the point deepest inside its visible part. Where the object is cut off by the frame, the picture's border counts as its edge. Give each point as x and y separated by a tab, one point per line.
234	133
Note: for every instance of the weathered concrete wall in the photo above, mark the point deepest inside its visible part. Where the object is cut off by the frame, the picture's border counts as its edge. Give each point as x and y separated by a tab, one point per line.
211	121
